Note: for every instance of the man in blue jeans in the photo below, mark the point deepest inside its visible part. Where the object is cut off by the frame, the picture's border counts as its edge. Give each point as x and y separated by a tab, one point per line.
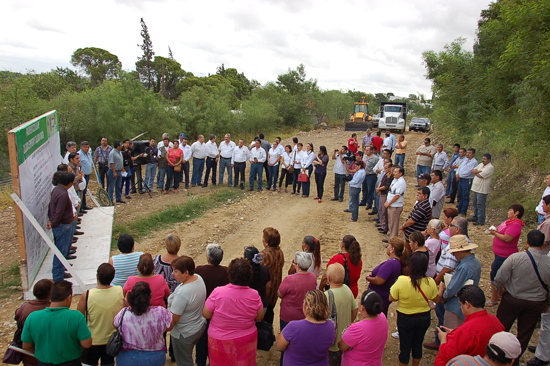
60	214
369	183
465	176
354	191
257	158
116	162
424	158
151	153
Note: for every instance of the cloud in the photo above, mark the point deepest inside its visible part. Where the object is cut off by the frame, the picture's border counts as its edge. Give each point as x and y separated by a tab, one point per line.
40	25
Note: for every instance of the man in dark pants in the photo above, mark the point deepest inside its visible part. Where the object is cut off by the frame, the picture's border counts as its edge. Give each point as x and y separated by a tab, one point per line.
86	162
524	278
212	156
369	184
452	183
266	146
101	158
238	162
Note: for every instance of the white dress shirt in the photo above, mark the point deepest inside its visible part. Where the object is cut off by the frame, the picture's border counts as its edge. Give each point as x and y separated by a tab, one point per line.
379	165
397	187
297	157
280	149
211	149
287	160
307	158
161	144
198	150
258	153
466	167
274	156
226	149
240	154
539	209
187	152
441	161
387	143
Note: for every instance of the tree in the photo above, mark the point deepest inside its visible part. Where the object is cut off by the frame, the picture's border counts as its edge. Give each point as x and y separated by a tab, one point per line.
294	81
145	66
413	97
97	63
167	75
170	55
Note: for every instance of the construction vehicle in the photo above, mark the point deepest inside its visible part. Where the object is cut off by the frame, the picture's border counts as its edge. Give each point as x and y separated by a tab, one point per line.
360	120
393	116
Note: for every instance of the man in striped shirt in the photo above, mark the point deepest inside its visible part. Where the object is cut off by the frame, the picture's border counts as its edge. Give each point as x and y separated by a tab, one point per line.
420	215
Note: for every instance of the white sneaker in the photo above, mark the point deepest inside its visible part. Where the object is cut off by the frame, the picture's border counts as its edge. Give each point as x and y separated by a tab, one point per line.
395	335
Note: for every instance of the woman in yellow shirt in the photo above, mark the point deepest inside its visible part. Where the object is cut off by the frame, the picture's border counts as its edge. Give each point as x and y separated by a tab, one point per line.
413	293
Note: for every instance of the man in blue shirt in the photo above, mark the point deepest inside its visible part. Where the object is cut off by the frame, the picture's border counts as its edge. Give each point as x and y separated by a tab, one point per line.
452	188
467	269
86	162
355	189
464	176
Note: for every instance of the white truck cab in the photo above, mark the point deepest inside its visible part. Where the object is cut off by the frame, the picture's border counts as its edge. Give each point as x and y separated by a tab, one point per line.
393	116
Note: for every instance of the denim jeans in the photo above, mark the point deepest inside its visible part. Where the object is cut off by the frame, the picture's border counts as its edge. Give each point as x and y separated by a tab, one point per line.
141	358
320	182
420	169
400	160
172	175
451	182
440	313
150	172
540	218
225	164
87	178
295	180
62	235
354	202
497	263
115	184
479	206
369	185
464	186
339	186
307	185
256	169
273	176
201	347
198	169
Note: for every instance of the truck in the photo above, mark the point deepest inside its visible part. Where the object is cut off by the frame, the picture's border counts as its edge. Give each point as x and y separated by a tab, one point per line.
360	120
393	116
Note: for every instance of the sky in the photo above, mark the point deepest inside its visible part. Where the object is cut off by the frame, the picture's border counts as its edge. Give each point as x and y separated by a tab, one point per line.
371	46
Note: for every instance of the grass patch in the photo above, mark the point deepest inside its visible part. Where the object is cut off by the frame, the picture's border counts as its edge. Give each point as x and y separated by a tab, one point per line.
10	280
193	208
5	197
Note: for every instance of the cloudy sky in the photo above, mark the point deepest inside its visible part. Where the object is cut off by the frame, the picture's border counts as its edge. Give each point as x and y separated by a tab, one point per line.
372	46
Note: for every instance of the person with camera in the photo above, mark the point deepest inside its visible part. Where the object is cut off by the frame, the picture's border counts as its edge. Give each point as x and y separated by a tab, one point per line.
339	173
151	153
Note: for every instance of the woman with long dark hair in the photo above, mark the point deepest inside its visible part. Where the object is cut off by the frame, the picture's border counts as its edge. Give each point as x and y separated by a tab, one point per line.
297	164
312	246
320	163
286	164
361	343
413	293
385	274
260	276
307	168
142	329
350	258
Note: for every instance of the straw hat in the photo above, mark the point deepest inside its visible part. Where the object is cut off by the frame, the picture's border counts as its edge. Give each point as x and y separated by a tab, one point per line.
459	243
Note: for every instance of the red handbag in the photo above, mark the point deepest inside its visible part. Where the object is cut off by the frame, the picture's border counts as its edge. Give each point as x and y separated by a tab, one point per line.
303	177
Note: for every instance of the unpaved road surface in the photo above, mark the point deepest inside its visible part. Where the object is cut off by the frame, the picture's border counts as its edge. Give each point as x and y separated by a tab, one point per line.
240	224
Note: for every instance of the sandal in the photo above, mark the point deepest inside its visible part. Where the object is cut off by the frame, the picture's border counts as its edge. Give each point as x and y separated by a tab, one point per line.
490	304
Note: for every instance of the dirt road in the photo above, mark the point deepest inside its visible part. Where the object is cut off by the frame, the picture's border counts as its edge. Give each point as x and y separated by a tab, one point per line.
240	224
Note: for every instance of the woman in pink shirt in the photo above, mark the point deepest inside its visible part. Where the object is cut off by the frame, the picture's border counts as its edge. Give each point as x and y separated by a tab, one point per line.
362	343
505	243
234	310
174	158
433	244
159	287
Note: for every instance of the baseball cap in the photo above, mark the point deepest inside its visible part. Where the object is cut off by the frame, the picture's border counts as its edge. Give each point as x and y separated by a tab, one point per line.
425	176
360	153
182	135
507	342
459	243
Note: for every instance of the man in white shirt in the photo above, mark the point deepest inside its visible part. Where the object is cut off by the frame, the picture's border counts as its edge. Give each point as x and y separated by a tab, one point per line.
71	148
161	142
226	153
481	187
238	161
280	146
437	193
465	176
387	143
380	172
198	151
539	210
212	157
441	160
273	157
454	167
187	153
394	202
257	158
339	173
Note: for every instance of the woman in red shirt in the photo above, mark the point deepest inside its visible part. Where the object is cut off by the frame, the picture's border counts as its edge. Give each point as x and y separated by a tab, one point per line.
174	158
352	143
350	258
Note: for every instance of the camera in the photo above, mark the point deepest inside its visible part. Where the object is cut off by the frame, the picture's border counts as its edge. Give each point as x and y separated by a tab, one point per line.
349	158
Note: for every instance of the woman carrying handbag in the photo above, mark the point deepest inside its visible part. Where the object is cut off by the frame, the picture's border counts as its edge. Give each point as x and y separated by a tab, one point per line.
307	168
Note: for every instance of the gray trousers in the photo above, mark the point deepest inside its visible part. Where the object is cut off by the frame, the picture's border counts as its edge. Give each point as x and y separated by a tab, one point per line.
183	347
543	348
225	164
480	205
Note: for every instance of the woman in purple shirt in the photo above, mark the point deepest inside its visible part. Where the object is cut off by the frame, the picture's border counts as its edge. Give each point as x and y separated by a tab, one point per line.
320	163
386	273
306	342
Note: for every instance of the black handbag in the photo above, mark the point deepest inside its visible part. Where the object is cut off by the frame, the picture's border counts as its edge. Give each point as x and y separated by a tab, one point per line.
114	344
266	337
12	356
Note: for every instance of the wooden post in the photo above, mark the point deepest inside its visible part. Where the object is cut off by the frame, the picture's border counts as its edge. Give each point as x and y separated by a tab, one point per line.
14	168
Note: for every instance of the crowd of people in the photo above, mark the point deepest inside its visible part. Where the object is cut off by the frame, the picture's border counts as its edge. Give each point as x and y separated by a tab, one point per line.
217	310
